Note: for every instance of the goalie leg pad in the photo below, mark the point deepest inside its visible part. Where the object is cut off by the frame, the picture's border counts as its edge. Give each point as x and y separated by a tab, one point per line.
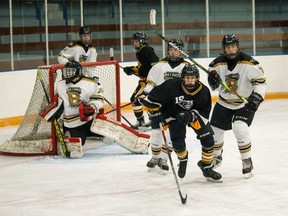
125	136
74	146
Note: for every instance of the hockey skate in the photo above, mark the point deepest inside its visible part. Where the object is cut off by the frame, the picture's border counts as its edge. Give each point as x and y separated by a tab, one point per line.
209	173
140	125
247	167
151	164
163	166
217	161
182	168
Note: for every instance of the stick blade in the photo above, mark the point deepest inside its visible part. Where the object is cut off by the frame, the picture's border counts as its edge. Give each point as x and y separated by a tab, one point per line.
183	199
111	53
153	17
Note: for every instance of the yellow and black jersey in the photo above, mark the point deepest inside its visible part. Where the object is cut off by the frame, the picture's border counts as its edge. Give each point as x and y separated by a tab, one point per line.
172	97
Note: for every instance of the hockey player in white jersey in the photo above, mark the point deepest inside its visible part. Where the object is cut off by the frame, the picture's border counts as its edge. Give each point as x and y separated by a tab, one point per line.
167	68
244	75
78	100
80	51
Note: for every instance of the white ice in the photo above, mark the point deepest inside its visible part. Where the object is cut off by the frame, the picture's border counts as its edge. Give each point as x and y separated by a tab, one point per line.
109	180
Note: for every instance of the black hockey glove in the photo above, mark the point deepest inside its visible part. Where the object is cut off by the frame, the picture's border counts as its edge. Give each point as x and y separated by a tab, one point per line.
186	117
214	79
129	70
156	116
254	101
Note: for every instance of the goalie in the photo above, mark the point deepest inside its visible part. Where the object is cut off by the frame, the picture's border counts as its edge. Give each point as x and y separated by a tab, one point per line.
78	99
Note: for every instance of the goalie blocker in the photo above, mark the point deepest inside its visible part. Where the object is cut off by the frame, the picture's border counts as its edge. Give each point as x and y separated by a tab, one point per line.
127	137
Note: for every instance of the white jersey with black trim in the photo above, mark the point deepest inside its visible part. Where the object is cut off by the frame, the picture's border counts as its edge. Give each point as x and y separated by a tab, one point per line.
76	51
162	71
85	90
244	77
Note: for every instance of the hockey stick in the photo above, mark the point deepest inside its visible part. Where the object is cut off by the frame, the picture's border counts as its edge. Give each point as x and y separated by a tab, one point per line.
183	199
112	54
110	104
120	107
55	122
153	24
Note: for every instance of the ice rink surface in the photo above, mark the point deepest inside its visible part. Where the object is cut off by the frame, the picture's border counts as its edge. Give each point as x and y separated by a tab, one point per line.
109	180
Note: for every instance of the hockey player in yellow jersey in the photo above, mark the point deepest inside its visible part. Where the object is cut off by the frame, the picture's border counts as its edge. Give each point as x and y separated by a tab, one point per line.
167	68
81	50
244	75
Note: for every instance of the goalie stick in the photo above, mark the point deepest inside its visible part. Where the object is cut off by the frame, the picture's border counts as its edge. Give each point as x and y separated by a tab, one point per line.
183	199
153	24
111	105
55	122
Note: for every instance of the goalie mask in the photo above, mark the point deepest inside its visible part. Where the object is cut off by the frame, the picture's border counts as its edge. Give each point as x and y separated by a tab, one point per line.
174	56
190	76
230	39
85	35
71	70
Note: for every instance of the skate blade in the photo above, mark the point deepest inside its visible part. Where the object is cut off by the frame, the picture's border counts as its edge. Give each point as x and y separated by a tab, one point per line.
214	180
152	169
216	166
143	129
161	171
248	175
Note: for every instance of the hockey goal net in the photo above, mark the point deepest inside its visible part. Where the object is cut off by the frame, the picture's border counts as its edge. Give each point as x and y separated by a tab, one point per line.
35	136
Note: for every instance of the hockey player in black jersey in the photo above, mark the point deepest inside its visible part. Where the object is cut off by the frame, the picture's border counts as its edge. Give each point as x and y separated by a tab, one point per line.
146	58
188	102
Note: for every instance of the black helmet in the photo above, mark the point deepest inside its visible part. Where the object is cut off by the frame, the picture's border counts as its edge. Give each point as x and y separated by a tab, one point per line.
85	30
230	39
141	36
190	70
71	70
177	42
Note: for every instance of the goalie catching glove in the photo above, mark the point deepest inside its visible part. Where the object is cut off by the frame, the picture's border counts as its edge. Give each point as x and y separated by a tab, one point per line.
85	111
186	117
53	110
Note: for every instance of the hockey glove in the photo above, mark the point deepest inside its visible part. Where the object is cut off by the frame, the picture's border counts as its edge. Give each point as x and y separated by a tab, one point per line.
129	70
254	101
186	117
53	110
85	110
156	116
214	79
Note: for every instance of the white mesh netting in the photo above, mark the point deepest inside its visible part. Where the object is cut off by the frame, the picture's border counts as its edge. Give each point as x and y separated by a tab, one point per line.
34	136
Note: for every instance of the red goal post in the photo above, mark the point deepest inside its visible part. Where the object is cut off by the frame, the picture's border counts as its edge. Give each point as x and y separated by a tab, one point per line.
35	136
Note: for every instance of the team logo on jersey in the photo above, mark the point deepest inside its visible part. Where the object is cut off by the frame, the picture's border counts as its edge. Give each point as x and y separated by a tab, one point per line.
74	96
185	104
83	58
232	81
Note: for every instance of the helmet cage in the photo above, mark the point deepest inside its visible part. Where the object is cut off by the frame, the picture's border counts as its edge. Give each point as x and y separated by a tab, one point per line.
69	72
